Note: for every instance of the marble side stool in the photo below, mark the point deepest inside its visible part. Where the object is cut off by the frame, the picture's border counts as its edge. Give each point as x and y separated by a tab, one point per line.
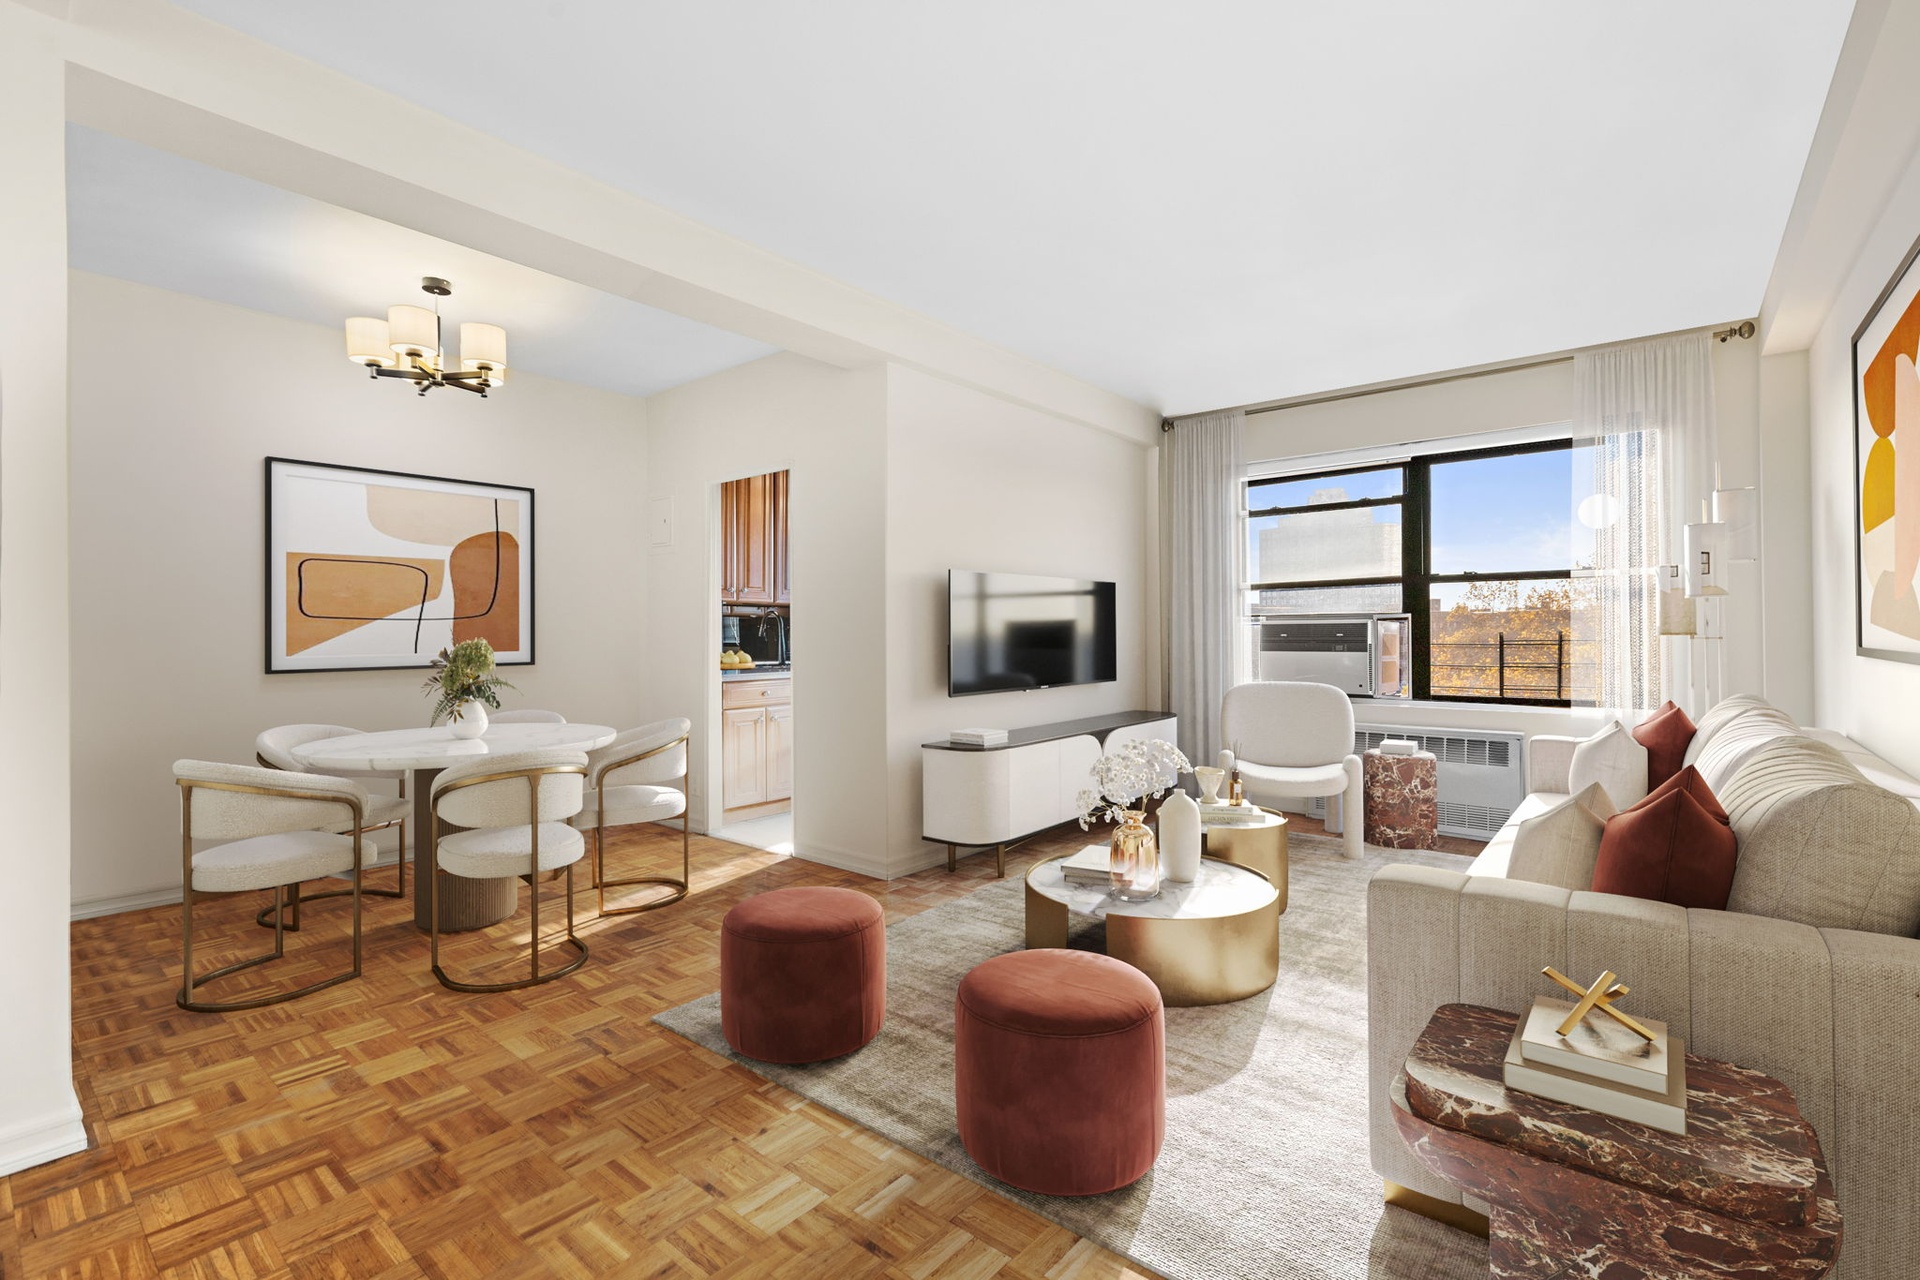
1402	800
1575	1193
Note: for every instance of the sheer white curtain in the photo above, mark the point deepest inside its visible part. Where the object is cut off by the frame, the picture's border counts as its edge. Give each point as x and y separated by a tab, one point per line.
1643	459
1201	572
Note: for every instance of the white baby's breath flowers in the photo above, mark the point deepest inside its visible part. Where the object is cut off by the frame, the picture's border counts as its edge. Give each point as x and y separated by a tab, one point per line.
1125	775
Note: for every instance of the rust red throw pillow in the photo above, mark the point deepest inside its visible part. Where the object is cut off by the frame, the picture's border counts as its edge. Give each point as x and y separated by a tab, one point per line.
1665	734
1671	847
1690	781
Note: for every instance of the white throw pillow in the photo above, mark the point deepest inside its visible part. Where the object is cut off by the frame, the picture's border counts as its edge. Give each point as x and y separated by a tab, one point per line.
1719	716
1560	846
1614	760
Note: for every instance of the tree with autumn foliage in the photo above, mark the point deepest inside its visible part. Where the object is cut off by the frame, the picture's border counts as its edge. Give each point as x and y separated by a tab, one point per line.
1536	620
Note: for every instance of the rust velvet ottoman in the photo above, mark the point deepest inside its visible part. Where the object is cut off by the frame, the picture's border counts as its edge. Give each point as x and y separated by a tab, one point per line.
1060	1071
803	974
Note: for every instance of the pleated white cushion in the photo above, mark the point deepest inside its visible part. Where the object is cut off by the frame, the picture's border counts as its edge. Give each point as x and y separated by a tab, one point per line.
261	862
490	853
630	804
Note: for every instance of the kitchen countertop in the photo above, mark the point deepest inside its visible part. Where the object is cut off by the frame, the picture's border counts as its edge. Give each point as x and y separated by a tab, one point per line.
756	673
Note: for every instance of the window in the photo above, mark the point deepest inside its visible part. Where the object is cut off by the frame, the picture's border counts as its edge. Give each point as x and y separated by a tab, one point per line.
1476	547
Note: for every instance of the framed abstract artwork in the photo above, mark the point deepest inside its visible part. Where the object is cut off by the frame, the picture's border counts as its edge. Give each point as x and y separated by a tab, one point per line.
371	570
1886	470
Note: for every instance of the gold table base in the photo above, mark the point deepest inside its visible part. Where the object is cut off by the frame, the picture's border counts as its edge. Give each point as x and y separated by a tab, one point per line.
1204	960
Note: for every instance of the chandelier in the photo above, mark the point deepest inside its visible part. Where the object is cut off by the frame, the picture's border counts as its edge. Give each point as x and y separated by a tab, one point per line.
407	345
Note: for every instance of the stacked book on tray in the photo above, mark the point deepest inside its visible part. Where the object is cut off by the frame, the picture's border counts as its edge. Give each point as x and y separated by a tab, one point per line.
1600	1065
1226	814
978	737
1090	866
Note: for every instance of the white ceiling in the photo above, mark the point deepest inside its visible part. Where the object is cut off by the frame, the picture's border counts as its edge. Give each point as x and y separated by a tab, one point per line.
156	218
1195	204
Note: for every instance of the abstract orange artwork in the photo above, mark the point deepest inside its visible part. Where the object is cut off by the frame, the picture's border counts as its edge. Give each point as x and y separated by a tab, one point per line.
375	569
1887	470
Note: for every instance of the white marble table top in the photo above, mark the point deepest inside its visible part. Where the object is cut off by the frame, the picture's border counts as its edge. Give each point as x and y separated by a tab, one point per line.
436	748
1222	889
1268	818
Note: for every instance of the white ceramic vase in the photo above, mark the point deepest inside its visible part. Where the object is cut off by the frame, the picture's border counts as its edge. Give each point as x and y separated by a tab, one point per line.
469	719
1180	838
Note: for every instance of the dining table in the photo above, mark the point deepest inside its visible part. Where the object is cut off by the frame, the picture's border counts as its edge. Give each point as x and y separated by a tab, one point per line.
423	753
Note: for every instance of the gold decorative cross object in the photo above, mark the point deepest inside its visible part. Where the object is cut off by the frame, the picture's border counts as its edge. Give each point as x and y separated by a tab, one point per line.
1601	996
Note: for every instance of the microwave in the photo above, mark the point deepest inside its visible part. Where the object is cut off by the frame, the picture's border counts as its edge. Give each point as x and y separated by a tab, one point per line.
765	637
1363	655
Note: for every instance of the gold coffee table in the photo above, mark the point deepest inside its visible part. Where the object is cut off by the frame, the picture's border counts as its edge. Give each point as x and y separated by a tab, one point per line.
1259	846
1209	942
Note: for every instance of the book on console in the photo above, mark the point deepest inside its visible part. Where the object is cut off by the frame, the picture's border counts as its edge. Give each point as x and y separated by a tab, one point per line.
978	737
1220	815
1664	1109
1089	866
1598	1046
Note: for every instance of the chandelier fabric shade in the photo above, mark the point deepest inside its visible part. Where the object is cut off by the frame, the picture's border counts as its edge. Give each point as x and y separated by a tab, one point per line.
413	331
407	345
367	342
1739	510
483	347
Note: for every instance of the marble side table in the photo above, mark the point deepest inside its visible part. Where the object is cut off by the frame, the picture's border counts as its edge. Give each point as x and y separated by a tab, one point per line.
1402	800
1574	1193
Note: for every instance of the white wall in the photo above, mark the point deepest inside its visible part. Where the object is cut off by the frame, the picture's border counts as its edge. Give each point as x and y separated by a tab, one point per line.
827	428
976	482
176	401
39	1114
1514	400
1872	700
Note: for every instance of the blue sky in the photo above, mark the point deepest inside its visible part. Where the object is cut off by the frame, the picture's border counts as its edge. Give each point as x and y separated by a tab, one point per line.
1504	513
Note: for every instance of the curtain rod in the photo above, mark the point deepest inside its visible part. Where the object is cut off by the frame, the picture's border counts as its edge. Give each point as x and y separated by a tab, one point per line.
1743	330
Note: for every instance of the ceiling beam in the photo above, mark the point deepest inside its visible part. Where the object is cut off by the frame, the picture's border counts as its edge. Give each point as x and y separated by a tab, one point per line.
159	75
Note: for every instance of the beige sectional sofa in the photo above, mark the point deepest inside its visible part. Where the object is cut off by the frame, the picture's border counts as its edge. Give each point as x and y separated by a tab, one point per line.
1812	974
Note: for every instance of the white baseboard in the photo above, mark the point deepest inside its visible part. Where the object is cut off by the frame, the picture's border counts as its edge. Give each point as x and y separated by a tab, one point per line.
859	864
126	902
45	1138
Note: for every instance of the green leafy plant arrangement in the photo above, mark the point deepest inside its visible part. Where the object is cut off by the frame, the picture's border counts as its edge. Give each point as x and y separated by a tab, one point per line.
464	673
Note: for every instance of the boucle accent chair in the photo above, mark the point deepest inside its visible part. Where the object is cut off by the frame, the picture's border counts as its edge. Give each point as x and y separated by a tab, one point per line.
1812	975
629	781
515	808
278	829
274	747
803	974
1294	739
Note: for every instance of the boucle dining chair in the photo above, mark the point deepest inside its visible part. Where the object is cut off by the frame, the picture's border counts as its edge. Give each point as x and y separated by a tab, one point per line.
1292	739
526	716
274	748
628	783
515	809
278	829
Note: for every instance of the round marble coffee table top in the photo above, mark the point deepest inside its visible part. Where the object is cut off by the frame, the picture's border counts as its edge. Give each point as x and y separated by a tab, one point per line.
436	748
1222	889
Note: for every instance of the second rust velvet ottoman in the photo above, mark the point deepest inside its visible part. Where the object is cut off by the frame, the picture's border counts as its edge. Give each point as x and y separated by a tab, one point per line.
1060	1071
803	974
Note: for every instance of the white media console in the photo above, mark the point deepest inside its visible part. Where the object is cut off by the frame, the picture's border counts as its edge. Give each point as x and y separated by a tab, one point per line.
975	797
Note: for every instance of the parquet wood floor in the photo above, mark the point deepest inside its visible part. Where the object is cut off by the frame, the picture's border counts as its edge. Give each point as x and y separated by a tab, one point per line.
389	1128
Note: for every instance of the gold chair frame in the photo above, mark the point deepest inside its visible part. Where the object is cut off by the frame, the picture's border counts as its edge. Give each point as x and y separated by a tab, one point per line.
287	915
532	877
601	884
184	997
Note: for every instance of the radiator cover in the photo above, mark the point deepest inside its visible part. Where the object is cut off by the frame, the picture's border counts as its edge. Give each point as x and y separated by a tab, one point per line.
1482	774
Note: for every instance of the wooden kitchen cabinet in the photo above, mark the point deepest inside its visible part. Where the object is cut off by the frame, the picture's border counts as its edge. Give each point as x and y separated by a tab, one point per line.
748	541
780	752
756	752
743	756
782	561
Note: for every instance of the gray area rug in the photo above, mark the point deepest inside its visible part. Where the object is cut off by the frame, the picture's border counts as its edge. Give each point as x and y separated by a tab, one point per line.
1264	1172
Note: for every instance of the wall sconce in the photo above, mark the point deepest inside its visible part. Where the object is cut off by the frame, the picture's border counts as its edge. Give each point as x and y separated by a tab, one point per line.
1739	510
1703	564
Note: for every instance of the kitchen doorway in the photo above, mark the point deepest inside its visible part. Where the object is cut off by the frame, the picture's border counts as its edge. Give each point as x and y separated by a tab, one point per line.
755	731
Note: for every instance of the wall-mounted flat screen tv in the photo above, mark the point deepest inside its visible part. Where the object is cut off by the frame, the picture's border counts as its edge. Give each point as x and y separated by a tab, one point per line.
1017	631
